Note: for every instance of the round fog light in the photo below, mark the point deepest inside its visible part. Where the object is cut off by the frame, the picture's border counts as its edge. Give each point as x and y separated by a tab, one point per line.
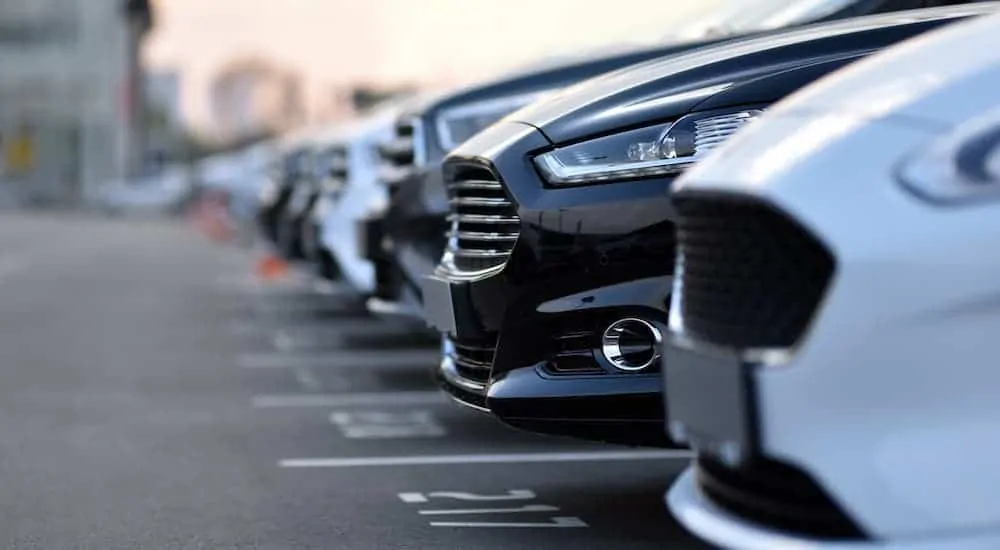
631	344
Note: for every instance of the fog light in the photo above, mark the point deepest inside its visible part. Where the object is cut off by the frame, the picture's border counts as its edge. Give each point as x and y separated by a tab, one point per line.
631	344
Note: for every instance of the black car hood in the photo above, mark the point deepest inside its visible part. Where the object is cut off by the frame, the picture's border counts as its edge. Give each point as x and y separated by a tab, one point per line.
721	74
558	74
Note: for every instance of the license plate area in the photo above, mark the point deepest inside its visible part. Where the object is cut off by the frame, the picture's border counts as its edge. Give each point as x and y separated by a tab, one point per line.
709	402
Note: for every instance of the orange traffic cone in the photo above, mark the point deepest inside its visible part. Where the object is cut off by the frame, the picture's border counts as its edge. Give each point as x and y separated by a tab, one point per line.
271	267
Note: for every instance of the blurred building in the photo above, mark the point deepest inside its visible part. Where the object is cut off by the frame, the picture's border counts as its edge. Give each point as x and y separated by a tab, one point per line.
163	123
69	93
252	97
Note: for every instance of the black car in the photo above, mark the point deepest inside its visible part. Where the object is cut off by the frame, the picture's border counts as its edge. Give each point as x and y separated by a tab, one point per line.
405	240
552	291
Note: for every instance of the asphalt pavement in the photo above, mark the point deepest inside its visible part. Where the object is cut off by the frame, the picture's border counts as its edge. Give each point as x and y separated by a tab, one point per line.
155	395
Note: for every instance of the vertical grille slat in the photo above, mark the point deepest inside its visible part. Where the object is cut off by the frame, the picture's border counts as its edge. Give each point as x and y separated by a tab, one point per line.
484	222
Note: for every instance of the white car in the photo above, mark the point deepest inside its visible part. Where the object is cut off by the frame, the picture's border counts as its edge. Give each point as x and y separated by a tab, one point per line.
832	356
160	193
350	195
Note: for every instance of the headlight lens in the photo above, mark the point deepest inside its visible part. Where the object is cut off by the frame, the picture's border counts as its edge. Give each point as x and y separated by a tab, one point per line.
457	124
961	166
653	151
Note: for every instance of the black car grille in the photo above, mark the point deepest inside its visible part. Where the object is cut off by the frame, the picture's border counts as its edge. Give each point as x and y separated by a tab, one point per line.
750	276
473	361
777	495
484	223
572	352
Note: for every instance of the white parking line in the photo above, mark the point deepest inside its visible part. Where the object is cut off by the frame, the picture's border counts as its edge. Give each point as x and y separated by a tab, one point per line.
510	458
349	399
556	523
389	358
465	511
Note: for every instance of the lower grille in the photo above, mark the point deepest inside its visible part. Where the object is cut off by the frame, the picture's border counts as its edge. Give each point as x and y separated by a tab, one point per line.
777	495
572	352
750	276
484	223
473	362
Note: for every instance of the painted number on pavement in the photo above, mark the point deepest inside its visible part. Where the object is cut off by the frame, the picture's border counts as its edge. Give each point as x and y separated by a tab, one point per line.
387	425
516	501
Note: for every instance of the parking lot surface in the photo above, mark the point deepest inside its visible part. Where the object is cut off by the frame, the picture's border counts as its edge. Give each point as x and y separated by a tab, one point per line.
156	396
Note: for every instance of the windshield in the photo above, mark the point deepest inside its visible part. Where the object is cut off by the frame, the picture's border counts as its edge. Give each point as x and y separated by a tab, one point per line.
742	17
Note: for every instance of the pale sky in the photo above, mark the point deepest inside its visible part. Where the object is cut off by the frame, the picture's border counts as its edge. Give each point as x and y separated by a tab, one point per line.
342	41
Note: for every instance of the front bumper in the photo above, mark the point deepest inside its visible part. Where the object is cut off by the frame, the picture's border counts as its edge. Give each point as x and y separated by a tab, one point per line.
524	337
406	241
701	516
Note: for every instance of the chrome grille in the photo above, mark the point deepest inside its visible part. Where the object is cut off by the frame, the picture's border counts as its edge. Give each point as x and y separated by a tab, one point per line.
484	224
710	132
465	370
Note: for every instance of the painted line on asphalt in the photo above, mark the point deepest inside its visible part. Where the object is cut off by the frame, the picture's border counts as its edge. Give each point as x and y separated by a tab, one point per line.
368	359
278	401
557	522
511	458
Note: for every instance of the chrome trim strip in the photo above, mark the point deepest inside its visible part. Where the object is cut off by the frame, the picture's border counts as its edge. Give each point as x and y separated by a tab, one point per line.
477	253
482	236
476	184
483	219
479	201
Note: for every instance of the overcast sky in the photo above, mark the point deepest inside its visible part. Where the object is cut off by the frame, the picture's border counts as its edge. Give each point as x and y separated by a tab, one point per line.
342	41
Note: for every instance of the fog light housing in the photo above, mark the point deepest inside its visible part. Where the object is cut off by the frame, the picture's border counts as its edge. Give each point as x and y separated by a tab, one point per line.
631	344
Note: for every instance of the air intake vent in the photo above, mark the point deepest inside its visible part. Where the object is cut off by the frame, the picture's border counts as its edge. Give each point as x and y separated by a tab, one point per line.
751	278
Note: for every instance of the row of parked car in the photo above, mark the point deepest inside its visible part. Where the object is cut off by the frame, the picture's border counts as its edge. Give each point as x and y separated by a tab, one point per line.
769	244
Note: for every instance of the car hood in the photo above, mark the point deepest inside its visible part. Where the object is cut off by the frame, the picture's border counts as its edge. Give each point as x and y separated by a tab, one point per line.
663	89
554	75
937	80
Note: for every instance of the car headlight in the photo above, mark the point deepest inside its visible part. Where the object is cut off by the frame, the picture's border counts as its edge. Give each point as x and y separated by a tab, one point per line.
457	124
653	151
962	166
